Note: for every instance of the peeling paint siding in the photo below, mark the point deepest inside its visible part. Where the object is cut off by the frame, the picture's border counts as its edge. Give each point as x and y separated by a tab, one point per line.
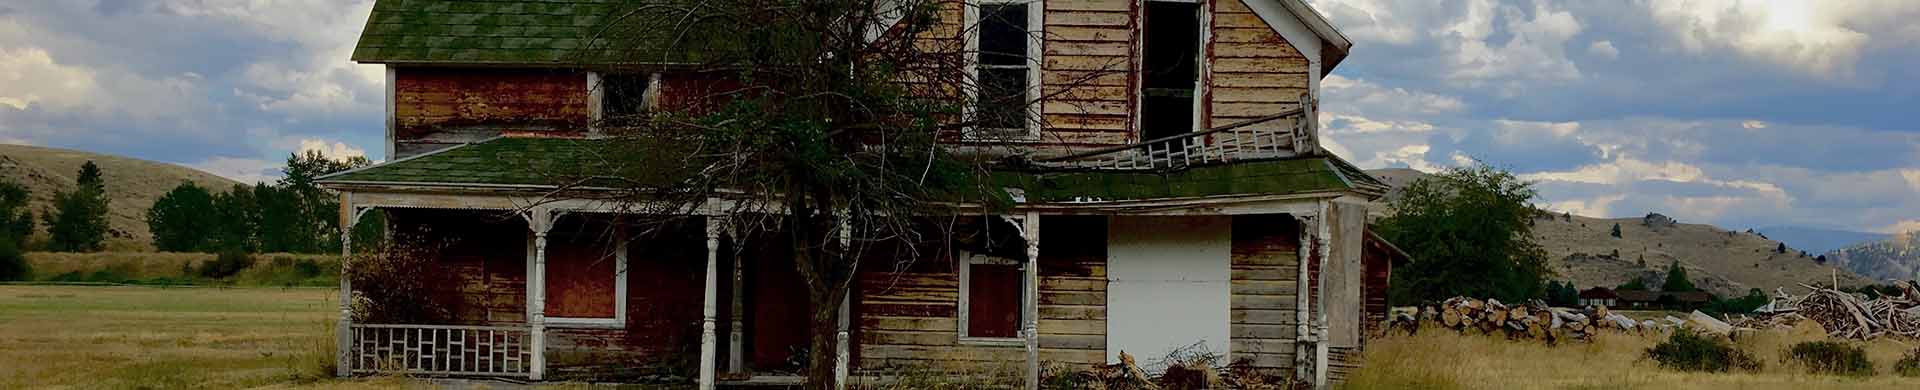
1089	58
1170	283
1266	260
437	107
1253	70
910	319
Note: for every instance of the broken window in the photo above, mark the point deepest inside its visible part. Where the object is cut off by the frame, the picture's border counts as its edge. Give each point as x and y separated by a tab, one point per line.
1170	69
623	98
1003	67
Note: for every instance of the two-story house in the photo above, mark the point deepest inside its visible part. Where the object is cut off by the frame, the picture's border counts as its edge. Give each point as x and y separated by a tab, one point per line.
1184	201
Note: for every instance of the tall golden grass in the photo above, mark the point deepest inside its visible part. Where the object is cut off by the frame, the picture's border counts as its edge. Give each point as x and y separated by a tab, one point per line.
1442	359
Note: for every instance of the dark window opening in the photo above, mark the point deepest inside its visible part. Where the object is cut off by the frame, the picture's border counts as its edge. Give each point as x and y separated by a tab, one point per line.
1170	69
623	98
1003	63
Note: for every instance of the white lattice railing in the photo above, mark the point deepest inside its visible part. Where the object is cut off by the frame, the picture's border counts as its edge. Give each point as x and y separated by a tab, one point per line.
1238	141
442	350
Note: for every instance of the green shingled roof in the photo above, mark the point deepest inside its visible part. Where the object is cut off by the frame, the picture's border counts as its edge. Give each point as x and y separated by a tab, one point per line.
512	161
499	161
478	31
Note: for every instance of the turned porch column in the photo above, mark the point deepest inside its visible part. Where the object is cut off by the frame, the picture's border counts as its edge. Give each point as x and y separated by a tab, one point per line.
842	351
343	333
1031	306
710	310
539	220
736	338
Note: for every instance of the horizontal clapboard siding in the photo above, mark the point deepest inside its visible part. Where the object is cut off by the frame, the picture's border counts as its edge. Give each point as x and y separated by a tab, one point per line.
1265	280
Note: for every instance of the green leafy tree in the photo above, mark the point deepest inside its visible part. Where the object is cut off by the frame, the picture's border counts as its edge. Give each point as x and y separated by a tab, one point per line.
284	223
78	222
182	220
16	222
319	209
1677	279
238	219
1562	294
1633	285
1469	234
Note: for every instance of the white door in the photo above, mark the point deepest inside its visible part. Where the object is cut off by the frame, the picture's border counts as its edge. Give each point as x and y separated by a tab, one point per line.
1170	279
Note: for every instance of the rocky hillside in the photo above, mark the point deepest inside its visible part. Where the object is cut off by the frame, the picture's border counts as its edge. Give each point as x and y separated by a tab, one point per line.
1582	250
1895	258
132	185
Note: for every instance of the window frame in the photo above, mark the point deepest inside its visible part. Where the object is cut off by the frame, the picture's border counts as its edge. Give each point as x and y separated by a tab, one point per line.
597	98
966	297
1203	69
1036	20
619	319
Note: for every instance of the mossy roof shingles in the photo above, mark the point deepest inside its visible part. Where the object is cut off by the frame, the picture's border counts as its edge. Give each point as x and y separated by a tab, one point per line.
515	161
479	31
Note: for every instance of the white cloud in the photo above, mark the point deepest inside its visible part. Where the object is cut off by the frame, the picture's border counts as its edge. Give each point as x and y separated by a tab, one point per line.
1904	226
333	150
1594	206
1753	125
1816	37
323	82
1348	94
243	170
1533	51
32	77
1603	49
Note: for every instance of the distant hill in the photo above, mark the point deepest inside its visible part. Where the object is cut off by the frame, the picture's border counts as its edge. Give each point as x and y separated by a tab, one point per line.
1818	240
132	185
1725	262
1895	258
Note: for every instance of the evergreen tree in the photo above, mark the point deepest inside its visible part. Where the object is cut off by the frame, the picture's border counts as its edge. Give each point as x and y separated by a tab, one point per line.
1780	249
1633	285
78	222
1616	230
183	219
1677	279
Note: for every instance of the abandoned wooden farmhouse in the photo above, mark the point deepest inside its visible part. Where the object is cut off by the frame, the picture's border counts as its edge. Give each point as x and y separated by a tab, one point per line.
1186	204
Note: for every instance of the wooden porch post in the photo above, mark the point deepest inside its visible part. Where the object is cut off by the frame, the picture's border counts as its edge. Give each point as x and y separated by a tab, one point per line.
707	337
540	221
736	338
343	332
841	349
1032	304
1303	333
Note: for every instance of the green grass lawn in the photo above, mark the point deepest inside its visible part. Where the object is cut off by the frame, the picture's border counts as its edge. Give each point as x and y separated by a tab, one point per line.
88	337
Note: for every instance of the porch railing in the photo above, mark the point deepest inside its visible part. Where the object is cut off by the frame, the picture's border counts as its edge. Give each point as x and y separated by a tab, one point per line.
1226	143
497	351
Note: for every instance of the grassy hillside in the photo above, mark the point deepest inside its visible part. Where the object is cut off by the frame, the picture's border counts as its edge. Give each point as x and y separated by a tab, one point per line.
1724	262
132	185
1895	258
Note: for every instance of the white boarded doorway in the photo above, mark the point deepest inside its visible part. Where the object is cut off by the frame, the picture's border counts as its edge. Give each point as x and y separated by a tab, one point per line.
1169	286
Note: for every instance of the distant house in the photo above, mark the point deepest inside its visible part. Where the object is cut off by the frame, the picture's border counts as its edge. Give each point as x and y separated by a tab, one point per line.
1599	296
1640	299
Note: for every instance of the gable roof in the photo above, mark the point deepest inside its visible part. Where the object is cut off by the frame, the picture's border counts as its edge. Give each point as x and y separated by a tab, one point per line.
548	32
537	163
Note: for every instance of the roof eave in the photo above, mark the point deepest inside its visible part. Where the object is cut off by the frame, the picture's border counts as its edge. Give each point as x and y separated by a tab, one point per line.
1335	44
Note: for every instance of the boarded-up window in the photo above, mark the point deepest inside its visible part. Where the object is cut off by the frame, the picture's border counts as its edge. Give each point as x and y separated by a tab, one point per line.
1170	68
1003	76
993	309
581	276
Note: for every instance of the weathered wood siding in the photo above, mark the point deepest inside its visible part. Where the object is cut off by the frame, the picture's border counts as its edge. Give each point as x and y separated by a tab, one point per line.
1253	71
438	107
1266	270
911	318
1088	53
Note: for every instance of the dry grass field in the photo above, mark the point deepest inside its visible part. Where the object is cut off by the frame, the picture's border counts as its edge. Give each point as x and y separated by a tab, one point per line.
1437	359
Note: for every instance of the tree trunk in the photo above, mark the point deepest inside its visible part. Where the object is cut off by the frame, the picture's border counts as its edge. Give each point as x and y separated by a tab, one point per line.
822	347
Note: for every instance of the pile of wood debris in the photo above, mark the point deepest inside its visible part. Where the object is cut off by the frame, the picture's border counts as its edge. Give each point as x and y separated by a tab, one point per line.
1183	371
1844	315
1532	319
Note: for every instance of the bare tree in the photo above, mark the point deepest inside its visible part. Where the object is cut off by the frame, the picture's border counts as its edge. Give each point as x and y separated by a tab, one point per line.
829	122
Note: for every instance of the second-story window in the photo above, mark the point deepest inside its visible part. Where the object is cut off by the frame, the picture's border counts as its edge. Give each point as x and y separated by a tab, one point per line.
624	98
1170	69
1004	65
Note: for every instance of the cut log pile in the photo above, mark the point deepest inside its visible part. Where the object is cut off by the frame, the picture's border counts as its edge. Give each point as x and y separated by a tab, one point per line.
1845	315
1532	319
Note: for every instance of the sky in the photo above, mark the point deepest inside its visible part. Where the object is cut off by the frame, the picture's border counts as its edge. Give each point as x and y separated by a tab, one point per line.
1736	113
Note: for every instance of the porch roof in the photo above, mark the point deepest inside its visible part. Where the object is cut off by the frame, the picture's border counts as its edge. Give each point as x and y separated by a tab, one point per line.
539	163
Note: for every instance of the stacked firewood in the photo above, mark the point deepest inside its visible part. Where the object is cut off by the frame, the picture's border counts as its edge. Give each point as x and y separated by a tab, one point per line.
1849	316
1532	319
